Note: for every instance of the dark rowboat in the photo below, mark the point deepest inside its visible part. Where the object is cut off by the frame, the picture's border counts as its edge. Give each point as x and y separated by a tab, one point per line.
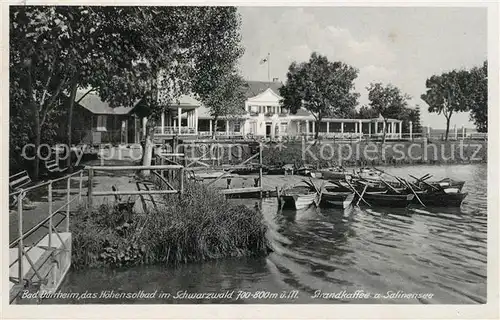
305	170
335	173
448	183
359	188
440	199
337	199
388	200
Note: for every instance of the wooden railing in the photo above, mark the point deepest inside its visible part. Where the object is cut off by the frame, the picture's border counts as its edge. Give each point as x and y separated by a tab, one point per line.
169	130
93	169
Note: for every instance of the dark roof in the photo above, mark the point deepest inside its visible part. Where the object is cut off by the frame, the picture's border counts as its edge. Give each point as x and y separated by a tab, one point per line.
301	112
94	104
257	87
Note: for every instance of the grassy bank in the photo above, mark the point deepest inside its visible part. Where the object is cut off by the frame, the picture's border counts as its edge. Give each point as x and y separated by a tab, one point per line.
200	226
326	154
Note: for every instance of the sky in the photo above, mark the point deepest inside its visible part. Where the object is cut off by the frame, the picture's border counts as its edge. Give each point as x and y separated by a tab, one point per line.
402	46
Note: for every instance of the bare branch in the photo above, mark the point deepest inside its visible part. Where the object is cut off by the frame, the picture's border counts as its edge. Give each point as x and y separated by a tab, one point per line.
50	103
86	93
49	78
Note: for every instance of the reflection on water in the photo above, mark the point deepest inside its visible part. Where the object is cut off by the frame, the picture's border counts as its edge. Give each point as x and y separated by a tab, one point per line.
377	250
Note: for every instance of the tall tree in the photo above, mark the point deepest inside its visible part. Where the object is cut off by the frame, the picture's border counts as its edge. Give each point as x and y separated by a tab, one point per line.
477	96
414	117
388	101
56	49
227	99
366	112
322	87
125	54
446	94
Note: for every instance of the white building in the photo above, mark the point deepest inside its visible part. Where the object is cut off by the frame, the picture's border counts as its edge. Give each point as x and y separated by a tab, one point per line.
264	116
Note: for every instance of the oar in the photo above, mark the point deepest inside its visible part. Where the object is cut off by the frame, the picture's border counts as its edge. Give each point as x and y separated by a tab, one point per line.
337	183
427	184
418	198
390	175
362	194
357	193
423	178
387	184
317	201
427	177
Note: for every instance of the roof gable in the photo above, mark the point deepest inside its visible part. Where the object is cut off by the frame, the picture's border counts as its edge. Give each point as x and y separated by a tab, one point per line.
94	104
254	88
267	96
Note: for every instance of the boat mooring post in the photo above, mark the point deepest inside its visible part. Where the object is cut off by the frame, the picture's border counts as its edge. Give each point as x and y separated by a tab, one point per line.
181	182
80	187
278	195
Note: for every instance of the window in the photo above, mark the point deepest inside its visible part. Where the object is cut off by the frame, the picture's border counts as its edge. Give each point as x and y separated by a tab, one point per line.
254	109
237	127
253	127
283	129
101	123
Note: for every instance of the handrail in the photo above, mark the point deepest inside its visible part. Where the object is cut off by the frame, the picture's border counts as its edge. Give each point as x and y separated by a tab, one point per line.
120	168
46	183
19	242
40	224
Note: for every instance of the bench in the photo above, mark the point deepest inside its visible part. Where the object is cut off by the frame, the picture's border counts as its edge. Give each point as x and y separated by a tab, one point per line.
17	182
479	136
53	166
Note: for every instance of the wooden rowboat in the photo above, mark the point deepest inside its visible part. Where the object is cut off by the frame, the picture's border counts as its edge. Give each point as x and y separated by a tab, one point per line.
297	198
441	199
388	200
337	199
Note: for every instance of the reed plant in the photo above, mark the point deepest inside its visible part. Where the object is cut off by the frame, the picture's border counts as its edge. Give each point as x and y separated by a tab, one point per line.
347	154
201	225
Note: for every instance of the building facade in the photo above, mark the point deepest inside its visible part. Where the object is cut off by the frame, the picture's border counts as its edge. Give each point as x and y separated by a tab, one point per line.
265	117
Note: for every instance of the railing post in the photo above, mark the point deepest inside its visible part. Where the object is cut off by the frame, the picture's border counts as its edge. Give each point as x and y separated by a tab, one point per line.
20	245
80	187
260	169
181	182
89	199
68	197
50	214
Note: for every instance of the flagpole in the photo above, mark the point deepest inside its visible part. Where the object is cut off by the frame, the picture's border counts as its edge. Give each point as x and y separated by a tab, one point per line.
268	67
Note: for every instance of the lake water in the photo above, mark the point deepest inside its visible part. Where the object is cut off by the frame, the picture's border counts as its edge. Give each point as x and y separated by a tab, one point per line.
330	256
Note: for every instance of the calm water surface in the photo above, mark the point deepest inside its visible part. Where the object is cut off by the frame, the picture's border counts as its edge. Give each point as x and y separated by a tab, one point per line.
429	251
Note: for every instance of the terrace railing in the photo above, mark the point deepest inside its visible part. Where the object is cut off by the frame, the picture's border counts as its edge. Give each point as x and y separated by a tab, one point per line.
169	130
52	229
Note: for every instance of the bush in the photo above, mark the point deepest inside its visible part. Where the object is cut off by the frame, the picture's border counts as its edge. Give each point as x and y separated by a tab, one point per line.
326	153
200	226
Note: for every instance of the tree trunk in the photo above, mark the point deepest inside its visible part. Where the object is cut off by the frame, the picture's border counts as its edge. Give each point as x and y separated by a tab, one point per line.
384	131
74	86
214	127
316	129
38	138
36	113
447	127
147	155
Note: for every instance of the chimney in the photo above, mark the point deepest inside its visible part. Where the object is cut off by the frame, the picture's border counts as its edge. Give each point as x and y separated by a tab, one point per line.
276	79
